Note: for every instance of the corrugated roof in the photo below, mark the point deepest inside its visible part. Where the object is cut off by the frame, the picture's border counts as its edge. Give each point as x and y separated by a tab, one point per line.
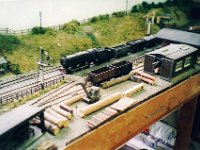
179	36
2	60
174	51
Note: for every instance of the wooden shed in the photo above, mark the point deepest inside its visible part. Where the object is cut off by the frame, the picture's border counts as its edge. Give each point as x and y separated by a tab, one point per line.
170	60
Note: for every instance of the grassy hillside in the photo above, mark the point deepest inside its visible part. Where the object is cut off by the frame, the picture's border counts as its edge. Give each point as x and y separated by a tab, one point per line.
101	33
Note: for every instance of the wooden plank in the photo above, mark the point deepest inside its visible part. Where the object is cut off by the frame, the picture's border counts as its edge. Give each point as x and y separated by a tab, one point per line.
185	124
119	130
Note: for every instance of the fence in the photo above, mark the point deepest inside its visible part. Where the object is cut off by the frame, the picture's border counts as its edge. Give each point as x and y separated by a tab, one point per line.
27	31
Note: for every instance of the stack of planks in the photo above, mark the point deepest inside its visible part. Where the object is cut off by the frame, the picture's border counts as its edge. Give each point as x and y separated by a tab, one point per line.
110	111
46	145
123	104
145	77
97	119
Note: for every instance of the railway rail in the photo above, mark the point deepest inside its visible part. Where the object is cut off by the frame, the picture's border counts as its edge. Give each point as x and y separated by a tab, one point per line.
29	89
21	78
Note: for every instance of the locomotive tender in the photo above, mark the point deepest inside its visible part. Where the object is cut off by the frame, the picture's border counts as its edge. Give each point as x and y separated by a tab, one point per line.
94	56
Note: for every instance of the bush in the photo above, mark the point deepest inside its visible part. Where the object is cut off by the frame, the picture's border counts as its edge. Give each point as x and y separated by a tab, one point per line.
14	68
8	42
38	30
103	17
93	19
119	14
141	9
51	31
71	27
134	9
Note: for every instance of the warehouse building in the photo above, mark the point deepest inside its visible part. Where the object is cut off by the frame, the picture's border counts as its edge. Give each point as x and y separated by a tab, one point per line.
170	60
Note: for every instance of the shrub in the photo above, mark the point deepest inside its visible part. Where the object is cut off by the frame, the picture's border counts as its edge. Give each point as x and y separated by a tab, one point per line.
141	9
51	31
103	17
93	19
14	68
38	30
8	42
134	8
119	14
71	27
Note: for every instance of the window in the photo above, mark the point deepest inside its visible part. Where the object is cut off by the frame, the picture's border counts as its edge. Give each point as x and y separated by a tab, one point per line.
187	61
179	66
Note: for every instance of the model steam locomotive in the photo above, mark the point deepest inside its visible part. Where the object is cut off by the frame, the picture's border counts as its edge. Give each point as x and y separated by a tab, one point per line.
94	56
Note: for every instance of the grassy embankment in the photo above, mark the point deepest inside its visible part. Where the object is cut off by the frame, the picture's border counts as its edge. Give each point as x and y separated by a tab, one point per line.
101	33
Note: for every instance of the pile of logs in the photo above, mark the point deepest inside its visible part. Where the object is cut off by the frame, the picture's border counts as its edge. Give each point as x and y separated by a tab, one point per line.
56	118
144	77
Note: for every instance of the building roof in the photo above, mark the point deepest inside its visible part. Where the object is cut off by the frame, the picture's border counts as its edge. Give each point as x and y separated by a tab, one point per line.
174	51
17	116
179	36
2	60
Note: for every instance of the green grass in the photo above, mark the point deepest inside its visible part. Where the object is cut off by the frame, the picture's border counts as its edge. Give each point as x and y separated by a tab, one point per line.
102	33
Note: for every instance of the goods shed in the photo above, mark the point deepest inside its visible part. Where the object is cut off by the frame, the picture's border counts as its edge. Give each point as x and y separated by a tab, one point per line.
178	36
170	60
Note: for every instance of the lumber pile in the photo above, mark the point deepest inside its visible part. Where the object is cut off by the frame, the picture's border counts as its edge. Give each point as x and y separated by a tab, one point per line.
100	104
144	77
97	119
57	117
47	145
123	104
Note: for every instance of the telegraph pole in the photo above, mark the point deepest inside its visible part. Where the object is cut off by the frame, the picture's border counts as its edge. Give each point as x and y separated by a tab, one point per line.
40	14
126	7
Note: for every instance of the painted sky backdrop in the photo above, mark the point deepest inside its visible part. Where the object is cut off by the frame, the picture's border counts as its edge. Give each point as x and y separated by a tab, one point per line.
23	14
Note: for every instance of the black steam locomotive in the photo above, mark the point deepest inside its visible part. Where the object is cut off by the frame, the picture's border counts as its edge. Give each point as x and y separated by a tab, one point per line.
99	55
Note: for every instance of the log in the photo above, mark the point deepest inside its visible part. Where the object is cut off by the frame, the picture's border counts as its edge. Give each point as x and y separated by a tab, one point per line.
73	99
53	119
62	112
149	81
114	81
100	104
140	73
51	127
66	108
64	120
133	90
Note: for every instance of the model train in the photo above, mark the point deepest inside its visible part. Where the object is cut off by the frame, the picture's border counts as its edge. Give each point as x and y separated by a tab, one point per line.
94	56
112	71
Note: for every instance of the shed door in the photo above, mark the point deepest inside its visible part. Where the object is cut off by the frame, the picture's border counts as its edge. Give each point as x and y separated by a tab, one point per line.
166	69
148	67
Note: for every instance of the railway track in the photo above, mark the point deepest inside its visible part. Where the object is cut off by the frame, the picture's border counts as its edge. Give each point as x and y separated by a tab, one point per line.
35	86
21	78
25	85
56	96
